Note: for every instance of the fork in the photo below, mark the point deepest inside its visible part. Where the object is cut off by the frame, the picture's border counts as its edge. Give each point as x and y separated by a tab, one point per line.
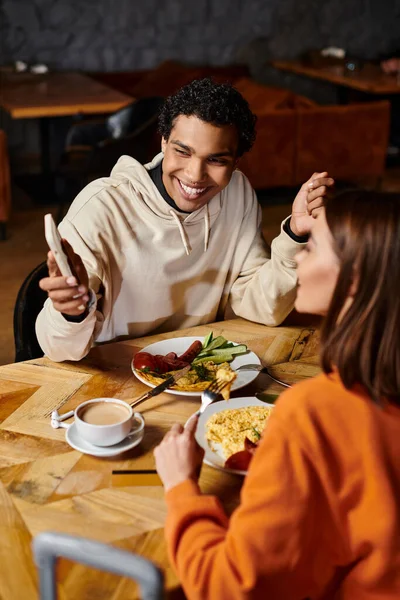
263	370
210	395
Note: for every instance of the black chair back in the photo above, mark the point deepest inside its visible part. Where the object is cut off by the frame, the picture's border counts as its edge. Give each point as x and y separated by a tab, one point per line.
29	303
143	144
131	117
93	148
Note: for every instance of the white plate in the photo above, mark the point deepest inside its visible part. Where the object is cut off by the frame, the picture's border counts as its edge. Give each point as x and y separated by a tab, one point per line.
181	344
78	443
215	458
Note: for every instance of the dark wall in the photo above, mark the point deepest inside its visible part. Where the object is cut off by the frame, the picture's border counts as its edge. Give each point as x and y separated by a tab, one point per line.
97	35
112	35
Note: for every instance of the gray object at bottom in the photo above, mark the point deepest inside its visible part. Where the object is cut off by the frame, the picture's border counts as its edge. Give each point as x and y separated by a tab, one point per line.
48	546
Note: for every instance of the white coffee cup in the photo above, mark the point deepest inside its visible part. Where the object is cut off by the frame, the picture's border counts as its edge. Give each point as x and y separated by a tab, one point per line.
106	421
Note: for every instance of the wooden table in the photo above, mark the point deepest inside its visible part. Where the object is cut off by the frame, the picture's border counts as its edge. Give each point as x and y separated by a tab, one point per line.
27	96
369	78
45	485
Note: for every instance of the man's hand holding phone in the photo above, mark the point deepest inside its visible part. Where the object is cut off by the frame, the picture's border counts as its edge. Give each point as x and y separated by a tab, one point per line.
69	295
69	292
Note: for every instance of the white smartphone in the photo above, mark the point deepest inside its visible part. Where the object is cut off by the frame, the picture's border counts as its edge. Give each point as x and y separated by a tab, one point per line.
53	239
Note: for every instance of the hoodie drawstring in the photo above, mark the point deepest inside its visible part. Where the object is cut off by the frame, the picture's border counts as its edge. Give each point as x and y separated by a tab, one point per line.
206	228
183	233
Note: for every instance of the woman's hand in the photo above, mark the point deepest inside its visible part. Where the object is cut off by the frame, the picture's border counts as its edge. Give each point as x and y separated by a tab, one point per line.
179	456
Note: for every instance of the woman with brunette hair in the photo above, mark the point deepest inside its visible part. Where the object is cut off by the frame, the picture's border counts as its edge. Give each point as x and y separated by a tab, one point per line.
320	507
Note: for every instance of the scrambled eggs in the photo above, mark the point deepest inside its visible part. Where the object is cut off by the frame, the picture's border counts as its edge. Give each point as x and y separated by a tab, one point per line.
230	427
198	378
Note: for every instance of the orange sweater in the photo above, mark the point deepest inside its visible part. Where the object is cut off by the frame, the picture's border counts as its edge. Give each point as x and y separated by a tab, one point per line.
320	507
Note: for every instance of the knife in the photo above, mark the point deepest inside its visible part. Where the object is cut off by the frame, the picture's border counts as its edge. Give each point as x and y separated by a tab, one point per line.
162	387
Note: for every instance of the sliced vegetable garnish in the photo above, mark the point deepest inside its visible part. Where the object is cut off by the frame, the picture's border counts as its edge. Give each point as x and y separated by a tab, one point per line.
215	359
216	343
203	373
218	350
207	340
241	349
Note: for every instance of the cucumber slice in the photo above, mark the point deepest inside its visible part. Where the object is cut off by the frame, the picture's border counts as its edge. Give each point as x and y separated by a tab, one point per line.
227	345
241	349
215	359
214	344
207	339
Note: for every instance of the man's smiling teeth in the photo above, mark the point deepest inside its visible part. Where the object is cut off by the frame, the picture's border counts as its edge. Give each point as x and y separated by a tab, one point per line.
191	191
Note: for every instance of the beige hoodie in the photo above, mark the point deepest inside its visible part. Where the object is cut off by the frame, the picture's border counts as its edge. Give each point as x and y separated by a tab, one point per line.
154	269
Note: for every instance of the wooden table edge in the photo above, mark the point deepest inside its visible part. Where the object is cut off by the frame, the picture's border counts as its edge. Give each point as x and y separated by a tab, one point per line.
313	73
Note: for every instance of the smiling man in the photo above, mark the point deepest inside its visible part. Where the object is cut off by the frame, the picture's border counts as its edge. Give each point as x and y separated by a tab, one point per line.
175	243
199	159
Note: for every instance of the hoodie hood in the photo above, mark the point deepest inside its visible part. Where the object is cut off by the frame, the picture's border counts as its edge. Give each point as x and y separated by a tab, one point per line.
143	189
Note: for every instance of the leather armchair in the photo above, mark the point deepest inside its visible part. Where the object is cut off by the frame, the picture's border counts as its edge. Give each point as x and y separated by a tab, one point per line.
296	137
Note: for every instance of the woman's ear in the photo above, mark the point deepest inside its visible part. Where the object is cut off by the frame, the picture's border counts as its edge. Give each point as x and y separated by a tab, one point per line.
163	144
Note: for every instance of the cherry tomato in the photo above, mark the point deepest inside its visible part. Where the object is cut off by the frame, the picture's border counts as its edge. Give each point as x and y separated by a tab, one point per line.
239	461
145	360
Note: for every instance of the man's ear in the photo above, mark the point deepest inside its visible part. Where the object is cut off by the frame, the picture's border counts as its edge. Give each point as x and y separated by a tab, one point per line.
163	144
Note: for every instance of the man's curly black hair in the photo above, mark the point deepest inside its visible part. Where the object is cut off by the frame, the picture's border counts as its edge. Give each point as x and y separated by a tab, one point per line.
216	103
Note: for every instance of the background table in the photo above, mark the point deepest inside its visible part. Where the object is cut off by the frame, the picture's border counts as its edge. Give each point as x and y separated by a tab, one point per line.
369	78
27	96
46	485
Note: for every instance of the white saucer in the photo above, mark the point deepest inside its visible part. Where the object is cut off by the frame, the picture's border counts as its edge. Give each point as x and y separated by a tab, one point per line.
78	443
